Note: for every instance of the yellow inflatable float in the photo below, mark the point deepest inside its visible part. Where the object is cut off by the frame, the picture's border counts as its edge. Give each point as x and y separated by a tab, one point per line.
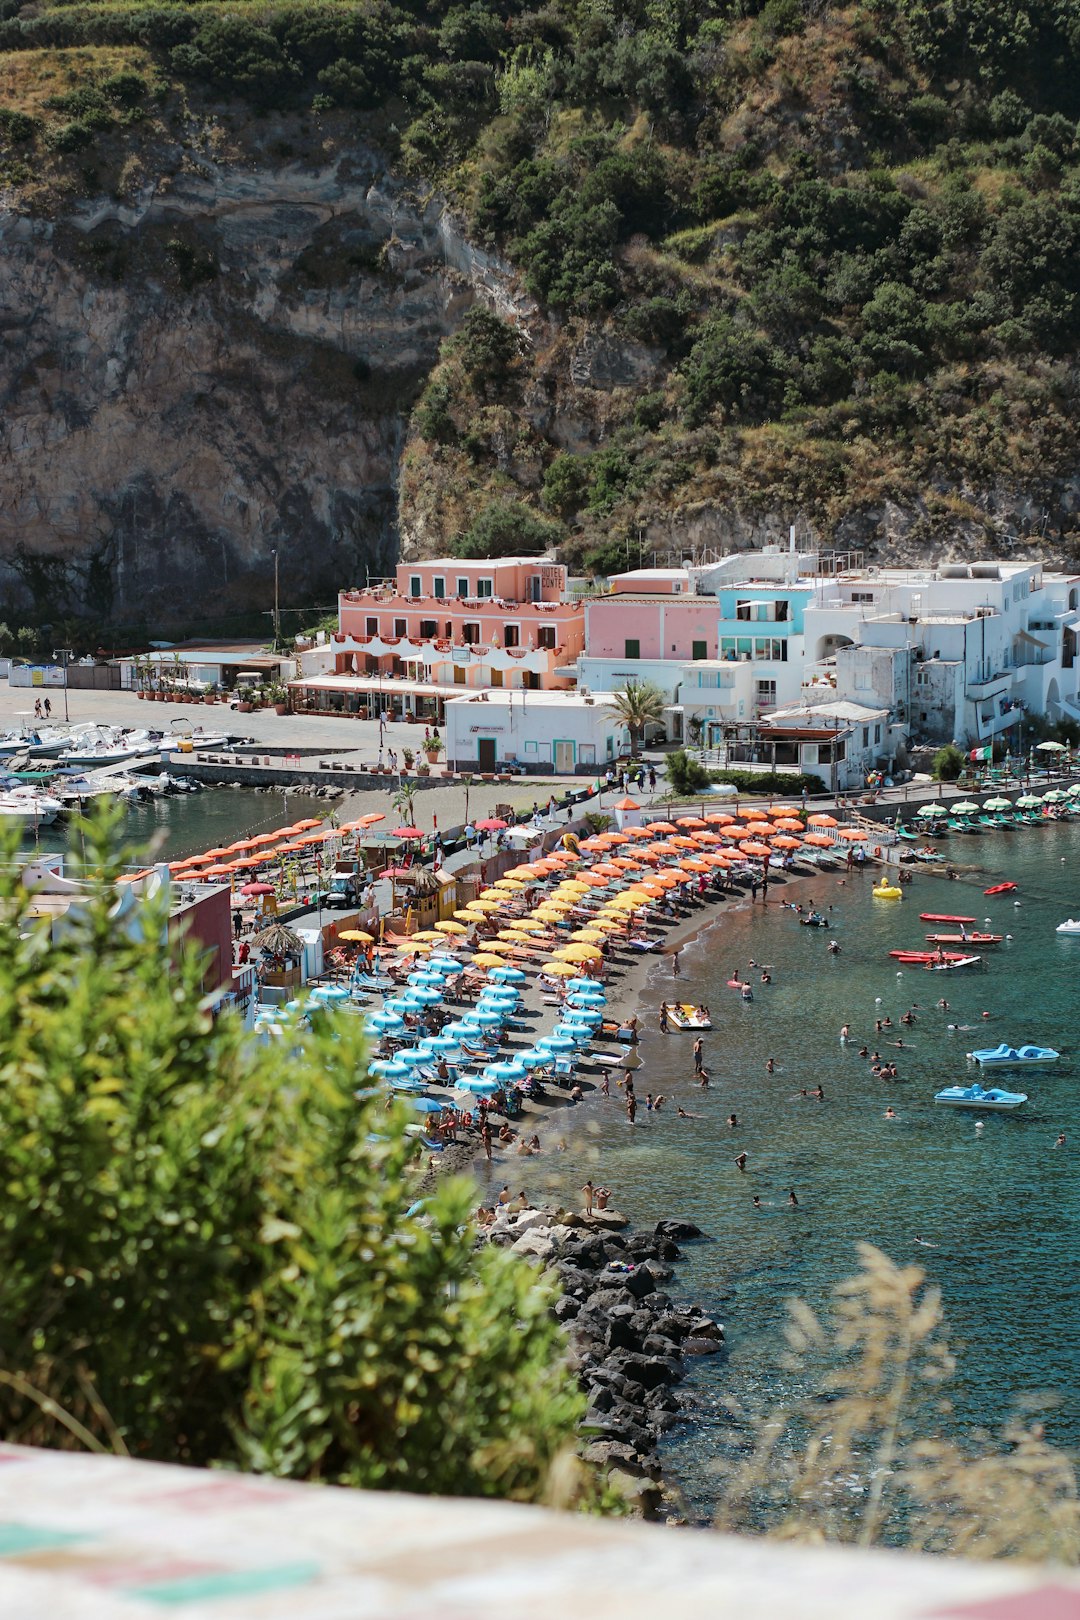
886	891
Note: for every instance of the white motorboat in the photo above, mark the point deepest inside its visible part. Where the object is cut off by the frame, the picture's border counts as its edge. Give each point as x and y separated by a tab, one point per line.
1072	926
76	787
26	805
110	749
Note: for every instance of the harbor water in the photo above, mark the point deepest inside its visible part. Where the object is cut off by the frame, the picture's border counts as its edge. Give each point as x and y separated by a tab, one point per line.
1001	1204
170	827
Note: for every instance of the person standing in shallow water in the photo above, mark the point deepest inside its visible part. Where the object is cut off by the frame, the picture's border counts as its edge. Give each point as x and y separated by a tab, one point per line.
699	1055
588	1193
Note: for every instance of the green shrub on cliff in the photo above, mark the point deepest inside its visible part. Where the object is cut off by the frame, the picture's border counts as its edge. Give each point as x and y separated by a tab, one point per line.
507	529
205	1253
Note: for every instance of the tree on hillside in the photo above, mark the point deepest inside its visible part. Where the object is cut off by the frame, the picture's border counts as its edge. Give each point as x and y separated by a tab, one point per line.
637	704
205	1250
508	529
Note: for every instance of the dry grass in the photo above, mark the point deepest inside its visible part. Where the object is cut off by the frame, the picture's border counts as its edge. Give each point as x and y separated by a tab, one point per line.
29	78
862	1462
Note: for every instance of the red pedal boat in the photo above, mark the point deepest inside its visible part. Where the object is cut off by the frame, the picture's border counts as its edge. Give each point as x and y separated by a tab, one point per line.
937	916
923	957
1001	888
964	939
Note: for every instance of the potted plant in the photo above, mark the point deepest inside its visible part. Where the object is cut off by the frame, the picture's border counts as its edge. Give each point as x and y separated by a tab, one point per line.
423	769
433	748
408	755
278	695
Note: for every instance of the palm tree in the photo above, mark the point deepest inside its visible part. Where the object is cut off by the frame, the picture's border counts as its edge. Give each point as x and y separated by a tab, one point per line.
403	803
637	704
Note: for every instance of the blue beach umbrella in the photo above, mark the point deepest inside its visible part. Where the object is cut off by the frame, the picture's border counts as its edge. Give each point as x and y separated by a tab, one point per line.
446	965
507	975
384	1022
487	1017
413	1057
504	1071
584	984
478	1085
390	1069
555	1043
424	1105
330	992
533	1056
441	1047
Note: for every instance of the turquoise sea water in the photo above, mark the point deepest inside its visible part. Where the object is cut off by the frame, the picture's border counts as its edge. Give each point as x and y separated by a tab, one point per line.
1003	1205
171	828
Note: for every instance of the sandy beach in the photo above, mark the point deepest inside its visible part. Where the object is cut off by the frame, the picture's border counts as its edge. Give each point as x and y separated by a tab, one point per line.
635	986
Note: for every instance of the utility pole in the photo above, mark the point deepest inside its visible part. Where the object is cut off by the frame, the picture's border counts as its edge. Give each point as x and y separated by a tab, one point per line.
64	653
277	602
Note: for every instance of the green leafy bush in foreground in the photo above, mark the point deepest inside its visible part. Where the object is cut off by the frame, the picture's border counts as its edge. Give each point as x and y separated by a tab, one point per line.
204	1250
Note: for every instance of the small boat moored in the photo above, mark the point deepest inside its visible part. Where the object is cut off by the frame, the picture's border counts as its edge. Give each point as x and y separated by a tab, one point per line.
1000	888
940	917
976	1097
1005	1056
1072	926
956	962
964	939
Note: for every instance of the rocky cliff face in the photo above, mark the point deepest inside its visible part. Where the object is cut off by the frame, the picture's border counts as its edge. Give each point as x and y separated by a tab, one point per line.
219	366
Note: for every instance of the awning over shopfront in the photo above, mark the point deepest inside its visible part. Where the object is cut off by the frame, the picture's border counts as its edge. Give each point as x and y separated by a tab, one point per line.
367	694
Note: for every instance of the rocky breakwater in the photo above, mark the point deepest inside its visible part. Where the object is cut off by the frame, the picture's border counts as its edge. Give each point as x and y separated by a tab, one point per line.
630	1341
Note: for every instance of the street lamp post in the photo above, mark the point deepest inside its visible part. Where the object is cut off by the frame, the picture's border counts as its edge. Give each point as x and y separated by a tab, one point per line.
64	653
277	602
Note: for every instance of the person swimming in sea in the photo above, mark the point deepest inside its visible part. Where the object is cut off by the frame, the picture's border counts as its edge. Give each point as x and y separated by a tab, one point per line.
890	1113
1061	1140
793	1202
733	1121
740	1162
757	1201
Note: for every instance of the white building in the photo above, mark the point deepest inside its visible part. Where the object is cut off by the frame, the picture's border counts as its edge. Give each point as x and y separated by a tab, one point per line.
553	733
840	742
959	652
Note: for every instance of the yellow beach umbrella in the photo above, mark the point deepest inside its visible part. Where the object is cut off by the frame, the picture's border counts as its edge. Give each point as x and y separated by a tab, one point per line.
420	946
450	928
568	968
487	959
357	936
427	934
572	886
588	936
629	900
524	925
484	905
508	882
578	953
466	916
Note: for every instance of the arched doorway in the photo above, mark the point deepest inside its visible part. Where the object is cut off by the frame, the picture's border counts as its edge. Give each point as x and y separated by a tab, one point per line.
827	646
1053	700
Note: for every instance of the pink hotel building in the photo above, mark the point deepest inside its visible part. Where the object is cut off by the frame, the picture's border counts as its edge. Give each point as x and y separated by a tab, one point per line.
444	627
